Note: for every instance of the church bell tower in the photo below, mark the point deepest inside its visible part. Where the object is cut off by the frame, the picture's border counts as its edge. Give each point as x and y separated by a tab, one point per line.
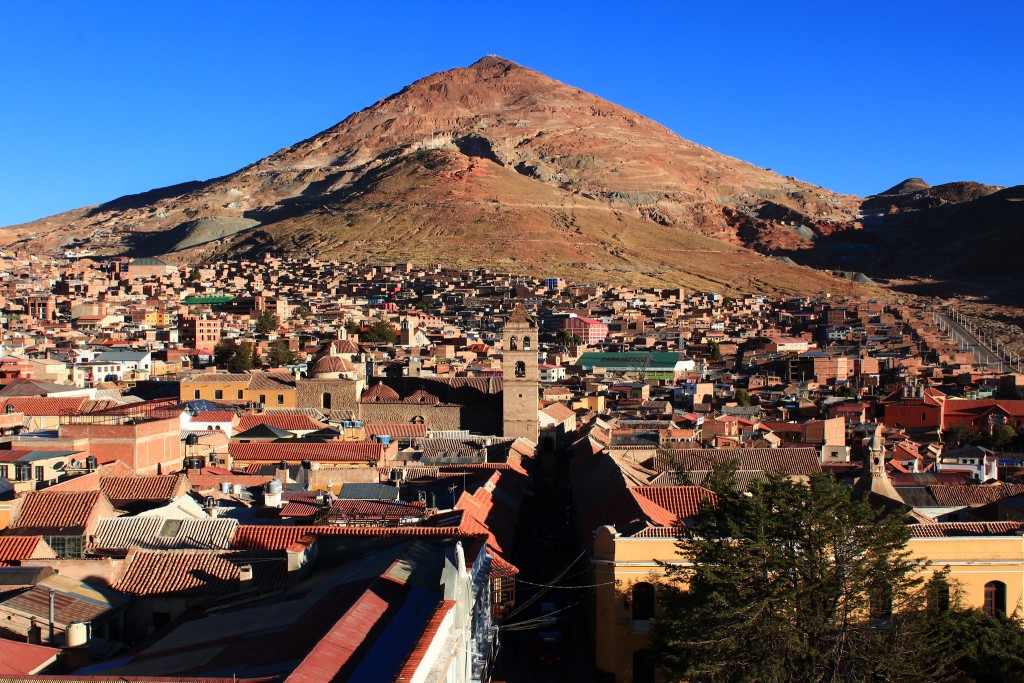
520	394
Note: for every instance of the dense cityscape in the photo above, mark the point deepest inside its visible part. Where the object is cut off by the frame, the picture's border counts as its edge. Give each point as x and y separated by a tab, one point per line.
303	470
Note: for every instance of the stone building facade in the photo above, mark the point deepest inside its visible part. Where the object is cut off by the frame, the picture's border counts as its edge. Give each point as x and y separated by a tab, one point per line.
520	375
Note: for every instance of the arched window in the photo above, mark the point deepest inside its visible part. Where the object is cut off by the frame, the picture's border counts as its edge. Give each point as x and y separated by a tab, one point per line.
643	601
520	369
513	344
325	400
526	343
418	420
995	598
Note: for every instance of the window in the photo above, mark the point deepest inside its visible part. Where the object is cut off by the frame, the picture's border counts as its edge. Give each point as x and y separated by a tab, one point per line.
65	546
995	598
513	344
263	399
280	399
39	473
526	343
520	369
239	395
195	394
325	401
218	394
3	472
643	601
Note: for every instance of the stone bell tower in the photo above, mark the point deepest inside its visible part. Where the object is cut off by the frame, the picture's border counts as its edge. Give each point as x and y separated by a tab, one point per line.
520	395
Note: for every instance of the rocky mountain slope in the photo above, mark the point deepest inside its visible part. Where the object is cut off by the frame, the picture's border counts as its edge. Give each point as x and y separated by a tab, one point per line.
492	164
954	239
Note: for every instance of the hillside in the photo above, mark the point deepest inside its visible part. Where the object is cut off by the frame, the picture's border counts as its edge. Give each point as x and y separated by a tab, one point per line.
956	239
492	164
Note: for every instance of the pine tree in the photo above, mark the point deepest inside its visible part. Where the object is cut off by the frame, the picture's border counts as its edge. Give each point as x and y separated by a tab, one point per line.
795	582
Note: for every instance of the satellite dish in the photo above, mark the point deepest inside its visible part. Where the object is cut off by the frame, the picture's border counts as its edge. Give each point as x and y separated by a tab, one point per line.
58	466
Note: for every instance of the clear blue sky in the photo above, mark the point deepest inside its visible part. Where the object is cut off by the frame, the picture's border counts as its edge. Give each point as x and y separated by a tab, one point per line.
101	99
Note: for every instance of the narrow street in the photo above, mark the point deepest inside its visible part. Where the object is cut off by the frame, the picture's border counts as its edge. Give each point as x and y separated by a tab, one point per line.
548	637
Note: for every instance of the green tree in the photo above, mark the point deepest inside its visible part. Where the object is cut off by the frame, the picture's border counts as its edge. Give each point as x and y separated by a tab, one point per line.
715	351
565	339
1003	436
795	582
234	357
224	351
380	332
743	397
267	322
303	312
352	327
987	649
959	435
279	354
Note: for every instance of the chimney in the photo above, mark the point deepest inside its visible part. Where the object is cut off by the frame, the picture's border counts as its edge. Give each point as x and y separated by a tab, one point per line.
245	573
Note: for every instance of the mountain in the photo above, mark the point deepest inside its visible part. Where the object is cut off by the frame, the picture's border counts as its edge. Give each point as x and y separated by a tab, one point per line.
493	164
959	238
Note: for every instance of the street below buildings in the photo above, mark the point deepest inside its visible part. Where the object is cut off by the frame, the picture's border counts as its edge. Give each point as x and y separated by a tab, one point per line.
548	636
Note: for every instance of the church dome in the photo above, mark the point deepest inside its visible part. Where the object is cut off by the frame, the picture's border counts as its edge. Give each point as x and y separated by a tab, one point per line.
332	366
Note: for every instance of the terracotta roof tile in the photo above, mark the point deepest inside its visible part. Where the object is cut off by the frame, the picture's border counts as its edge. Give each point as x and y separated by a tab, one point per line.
39	406
951	496
56	512
945	529
121	490
335	451
289	423
397	430
13	548
260	537
787	461
177	572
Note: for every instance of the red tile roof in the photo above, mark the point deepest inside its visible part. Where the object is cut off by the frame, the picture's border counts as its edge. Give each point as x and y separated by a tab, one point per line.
397	430
289	423
40	406
340	451
945	529
177	572
131	489
787	461
205	482
56	512
13	548
260	537
952	496
682	501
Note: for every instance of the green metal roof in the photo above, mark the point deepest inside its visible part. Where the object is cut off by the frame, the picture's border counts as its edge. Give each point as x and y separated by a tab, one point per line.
190	300
630	360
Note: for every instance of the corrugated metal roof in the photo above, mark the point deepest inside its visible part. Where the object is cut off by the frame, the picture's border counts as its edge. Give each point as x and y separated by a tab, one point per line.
155	533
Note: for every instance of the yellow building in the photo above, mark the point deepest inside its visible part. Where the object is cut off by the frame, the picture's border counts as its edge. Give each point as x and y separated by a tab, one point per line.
986	559
272	389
